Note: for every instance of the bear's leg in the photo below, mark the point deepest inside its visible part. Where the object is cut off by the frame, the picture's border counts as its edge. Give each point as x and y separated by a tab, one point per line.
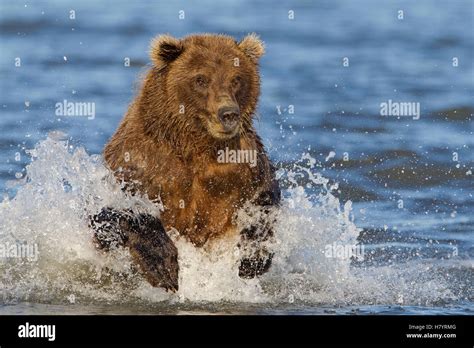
150	246
257	258
110	227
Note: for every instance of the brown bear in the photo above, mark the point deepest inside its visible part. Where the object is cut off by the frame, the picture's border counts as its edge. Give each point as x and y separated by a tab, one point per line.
188	140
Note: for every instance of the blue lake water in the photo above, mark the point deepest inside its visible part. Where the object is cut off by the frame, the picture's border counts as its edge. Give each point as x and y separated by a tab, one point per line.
325	74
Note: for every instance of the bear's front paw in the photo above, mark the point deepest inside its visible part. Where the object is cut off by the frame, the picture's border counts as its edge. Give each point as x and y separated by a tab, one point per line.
155	253
149	244
110	228
255	266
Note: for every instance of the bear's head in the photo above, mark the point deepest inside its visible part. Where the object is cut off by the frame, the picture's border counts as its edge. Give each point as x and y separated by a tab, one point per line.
211	82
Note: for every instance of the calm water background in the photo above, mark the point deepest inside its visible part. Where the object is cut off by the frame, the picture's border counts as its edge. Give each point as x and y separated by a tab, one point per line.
410	180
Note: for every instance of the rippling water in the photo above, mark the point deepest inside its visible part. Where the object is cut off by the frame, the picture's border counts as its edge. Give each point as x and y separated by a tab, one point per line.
402	187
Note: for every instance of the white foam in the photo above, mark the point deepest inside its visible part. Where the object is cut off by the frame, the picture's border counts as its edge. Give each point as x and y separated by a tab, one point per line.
64	185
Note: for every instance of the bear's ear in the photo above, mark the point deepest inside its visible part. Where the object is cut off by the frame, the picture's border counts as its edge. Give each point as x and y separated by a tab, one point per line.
252	46
164	49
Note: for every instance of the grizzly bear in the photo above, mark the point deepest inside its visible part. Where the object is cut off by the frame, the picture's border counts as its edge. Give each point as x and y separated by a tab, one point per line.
188	141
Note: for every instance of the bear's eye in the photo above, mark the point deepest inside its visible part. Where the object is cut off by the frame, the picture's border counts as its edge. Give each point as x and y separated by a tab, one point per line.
236	82
201	81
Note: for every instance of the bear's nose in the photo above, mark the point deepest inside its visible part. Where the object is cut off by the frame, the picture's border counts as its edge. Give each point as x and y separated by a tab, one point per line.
229	116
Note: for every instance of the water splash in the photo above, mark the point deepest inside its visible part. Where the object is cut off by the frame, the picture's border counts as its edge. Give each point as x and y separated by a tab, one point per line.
64	185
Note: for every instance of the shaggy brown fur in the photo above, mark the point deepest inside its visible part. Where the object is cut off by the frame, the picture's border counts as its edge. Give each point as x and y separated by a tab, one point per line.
199	97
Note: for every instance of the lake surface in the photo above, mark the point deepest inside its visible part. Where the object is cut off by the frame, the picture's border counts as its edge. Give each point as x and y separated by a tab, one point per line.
399	187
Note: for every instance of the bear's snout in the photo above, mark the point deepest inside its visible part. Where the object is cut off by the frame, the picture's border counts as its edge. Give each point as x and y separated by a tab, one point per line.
229	117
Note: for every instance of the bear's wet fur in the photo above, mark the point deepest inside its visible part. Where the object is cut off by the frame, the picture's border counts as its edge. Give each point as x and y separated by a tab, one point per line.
198	98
